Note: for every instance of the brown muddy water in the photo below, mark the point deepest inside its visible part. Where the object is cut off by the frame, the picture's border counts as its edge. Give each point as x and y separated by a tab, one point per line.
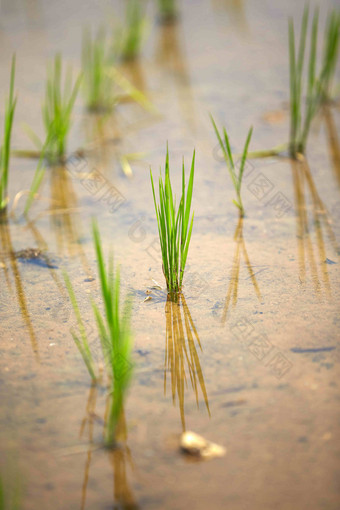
250	359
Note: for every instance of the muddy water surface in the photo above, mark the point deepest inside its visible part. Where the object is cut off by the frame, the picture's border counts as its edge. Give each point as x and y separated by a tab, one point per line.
250	357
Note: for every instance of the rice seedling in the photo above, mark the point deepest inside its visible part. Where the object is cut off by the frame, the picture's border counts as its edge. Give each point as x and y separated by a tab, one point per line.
82	341
98	85
168	10
57	109
6	143
330	53
318	87
300	121
114	333
37	180
308	93
236	176
174	226
129	38
11	487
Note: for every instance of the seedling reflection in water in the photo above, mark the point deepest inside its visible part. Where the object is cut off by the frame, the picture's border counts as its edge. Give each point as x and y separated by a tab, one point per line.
174	226
236	178
115	337
182	355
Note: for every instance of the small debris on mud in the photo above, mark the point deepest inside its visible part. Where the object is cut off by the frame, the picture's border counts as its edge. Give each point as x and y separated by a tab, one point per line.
195	445
148	298
329	261
34	256
274	117
234	403
300	350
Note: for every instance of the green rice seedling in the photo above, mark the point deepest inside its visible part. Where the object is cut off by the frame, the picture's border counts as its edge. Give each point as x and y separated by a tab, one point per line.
330	53
174	226
98	85
37	179
6	143
57	109
129	38
115	335
10	492
168	10
82	341
301	118
236	177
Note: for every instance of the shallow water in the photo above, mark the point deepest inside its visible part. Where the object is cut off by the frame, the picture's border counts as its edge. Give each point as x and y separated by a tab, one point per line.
250	359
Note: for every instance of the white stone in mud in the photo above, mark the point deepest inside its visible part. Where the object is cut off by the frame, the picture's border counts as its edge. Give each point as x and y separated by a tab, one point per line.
195	444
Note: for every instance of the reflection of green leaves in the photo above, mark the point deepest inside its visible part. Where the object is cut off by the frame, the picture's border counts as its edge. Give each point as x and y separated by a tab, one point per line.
174	226
6	142
227	154
181	354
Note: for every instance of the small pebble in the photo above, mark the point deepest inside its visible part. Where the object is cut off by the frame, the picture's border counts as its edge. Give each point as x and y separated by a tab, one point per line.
196	445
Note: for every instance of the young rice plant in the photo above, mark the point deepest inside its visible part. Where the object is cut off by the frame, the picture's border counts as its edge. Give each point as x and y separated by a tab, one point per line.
129	38
115	336
168	10
330	53
6	141
236	176
98	85
174	226
57	109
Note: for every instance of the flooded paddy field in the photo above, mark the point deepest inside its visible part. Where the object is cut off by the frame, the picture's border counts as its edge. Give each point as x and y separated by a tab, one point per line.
249	355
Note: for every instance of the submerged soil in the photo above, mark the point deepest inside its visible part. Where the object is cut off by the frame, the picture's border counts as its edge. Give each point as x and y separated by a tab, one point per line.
250	356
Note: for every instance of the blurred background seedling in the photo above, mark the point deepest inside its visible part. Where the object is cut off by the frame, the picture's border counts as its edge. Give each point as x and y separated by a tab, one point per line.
330	54
98	85
318	85
57	108
129	36
5	153
167	10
